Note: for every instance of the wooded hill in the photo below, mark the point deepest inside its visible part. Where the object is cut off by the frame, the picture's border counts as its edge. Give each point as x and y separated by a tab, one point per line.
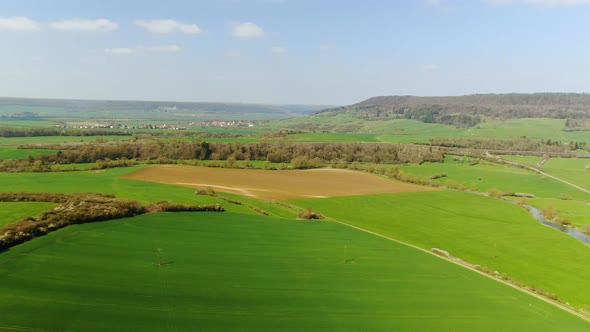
467	111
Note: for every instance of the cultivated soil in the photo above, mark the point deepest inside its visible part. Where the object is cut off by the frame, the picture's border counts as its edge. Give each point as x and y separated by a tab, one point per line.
287	184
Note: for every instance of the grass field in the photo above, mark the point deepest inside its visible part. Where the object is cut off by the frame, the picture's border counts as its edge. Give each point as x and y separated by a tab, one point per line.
229	272
274	184
487	175
573	170
480	230
4	122
577	212
11	212
570	169
7	152
329	128
109	181
57	139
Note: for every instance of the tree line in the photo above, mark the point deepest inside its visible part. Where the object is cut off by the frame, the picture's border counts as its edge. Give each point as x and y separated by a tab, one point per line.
304	155
79	208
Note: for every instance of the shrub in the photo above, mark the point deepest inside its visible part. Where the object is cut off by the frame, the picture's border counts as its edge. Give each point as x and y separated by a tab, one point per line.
309	214
493	192
549	212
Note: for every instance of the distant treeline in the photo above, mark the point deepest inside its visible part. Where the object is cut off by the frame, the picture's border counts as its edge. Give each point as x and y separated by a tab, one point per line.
51	131
79	208
167	152
465	111
137	134
516	144
577	125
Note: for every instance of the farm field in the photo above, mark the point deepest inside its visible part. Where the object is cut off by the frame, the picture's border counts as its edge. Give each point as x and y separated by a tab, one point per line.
11	212
570	169
15	153
275	184
402	130
14	141
223	271
573	170
24	123
110	181
490	232
485	176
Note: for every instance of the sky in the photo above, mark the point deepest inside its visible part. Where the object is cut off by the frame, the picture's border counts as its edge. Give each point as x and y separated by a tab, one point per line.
329	52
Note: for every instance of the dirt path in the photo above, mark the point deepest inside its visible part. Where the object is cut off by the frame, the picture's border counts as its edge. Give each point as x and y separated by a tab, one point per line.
538	171
556	304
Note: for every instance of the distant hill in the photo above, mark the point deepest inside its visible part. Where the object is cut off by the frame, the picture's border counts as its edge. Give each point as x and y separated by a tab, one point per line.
467	111
72	108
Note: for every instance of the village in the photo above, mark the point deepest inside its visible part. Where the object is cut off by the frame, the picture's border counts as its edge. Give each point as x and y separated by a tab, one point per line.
106	125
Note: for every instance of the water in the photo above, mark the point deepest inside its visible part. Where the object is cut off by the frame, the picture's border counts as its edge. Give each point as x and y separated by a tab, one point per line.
570	231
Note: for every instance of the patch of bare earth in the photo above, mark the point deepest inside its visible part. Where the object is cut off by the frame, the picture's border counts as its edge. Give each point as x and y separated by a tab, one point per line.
286	184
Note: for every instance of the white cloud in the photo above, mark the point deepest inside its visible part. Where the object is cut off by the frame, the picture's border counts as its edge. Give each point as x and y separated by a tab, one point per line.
19	24
247	30
119	51
167	26
430	67
84	25
278	50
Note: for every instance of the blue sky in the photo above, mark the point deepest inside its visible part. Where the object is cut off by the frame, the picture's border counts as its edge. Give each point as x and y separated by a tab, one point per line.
291	51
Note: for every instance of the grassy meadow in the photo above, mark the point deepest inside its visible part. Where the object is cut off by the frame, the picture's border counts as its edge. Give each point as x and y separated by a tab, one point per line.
574	170
15	141
329	128
9	152
11	212
485	175
229	272
577	212
489	232
109	181
240	270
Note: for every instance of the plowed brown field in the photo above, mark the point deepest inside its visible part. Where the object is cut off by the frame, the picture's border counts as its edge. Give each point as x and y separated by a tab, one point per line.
286	184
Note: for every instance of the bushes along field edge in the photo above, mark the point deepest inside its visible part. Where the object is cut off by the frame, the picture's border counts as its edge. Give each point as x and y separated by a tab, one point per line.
79	208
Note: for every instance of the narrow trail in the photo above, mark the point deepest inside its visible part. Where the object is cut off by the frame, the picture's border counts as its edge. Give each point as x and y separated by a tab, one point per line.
556	304
538	171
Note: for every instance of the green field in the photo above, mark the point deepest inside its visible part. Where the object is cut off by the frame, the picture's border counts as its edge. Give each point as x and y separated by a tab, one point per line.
7	152
11	212
230	272
577	212
57	139
330	128
109	182
489	232
485	176
18	123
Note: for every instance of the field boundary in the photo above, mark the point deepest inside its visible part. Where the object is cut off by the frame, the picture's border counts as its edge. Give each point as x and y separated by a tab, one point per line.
556	304
538	171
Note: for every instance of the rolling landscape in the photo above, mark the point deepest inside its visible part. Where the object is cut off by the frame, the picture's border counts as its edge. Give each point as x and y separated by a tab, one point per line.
186	174
343	233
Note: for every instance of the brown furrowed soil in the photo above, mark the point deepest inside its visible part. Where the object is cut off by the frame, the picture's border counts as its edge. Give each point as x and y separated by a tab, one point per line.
286	184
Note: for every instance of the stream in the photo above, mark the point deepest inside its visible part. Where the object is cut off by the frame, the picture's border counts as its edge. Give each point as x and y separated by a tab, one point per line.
570	231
